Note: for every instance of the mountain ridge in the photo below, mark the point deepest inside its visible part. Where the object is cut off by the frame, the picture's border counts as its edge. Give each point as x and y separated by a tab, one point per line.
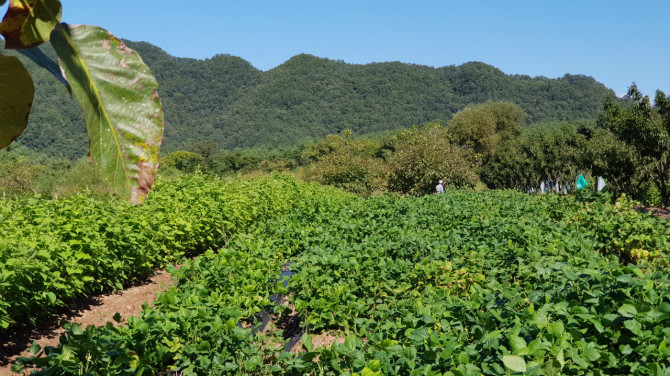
226	100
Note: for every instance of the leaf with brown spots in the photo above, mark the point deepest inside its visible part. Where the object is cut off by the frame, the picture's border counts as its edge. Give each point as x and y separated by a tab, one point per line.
29	23
16	98
122	111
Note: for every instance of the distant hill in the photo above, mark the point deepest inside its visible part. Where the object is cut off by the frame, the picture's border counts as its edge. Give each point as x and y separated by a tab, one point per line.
226	100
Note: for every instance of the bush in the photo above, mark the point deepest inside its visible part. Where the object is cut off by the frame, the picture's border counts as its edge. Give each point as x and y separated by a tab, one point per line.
353	173
651	196
185	161
424	156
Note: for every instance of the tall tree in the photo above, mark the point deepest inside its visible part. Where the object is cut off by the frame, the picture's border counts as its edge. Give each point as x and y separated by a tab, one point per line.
424	156
485	126
647	130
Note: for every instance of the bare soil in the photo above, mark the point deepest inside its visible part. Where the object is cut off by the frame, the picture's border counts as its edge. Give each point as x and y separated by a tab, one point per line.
656	211
97	311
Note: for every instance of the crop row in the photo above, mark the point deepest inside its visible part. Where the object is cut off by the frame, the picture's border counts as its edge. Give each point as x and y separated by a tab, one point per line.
456	284
55	251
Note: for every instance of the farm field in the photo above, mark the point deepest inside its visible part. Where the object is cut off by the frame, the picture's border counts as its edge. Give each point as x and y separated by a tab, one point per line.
464	283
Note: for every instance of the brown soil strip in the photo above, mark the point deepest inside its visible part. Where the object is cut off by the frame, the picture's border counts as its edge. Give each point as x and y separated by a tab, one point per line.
657	211
97	311
323	339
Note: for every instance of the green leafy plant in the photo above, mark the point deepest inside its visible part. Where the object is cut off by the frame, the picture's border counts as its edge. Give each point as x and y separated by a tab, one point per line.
463	283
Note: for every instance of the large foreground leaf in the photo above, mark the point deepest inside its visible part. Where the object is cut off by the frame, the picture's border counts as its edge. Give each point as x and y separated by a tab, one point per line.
123	113
16	98
29	23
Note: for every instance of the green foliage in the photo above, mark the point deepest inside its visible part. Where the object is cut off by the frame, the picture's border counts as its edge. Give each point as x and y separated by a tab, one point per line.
183	161
254	159
485	126
646	130
54	251
616	160
114	87
25	173
651	196
353	165
353	173
453	284
226	100
424	156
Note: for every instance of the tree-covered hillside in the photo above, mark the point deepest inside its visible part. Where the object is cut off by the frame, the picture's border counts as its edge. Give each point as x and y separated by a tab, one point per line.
226	101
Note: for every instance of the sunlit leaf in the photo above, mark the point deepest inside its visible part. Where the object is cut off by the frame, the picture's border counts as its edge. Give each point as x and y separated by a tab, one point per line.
16	98
123	113
514	362
29	23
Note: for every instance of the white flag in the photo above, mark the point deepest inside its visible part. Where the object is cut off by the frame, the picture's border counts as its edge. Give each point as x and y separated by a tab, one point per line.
601	183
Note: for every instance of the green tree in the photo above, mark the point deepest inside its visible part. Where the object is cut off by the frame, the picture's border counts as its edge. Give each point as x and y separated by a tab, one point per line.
485	126
424	156
185	161
616	161
544	151
354	165
646	129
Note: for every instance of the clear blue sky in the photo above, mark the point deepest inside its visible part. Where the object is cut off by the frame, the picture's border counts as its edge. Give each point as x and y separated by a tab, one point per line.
615	41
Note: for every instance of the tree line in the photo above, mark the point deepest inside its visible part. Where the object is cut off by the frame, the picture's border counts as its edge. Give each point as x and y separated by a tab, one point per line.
485	145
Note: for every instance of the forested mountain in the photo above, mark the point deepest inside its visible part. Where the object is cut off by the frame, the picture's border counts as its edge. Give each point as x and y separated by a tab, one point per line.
226	100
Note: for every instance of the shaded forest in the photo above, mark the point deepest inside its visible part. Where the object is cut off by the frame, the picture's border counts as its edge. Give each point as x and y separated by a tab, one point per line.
230	104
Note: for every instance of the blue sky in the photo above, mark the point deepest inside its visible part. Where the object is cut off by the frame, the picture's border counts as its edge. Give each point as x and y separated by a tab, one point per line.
617	42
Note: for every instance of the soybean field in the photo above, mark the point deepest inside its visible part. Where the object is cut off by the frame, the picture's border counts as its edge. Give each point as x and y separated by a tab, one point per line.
462	283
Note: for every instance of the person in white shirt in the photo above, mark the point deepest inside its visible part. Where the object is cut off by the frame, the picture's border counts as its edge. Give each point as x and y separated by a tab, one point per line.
439	188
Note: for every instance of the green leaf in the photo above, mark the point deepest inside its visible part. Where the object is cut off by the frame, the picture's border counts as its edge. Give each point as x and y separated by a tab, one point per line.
123	113
514	362
561	358
51	296
66	352
552	368
664	307
590	352
375	365
556	329
627	310
16	98
29	23
517	343
306	341
368	372
117	317
77	329
634	326
540	319
35	348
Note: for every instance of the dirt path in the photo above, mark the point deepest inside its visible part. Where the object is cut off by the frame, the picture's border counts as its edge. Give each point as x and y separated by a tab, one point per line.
95	311
657	211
